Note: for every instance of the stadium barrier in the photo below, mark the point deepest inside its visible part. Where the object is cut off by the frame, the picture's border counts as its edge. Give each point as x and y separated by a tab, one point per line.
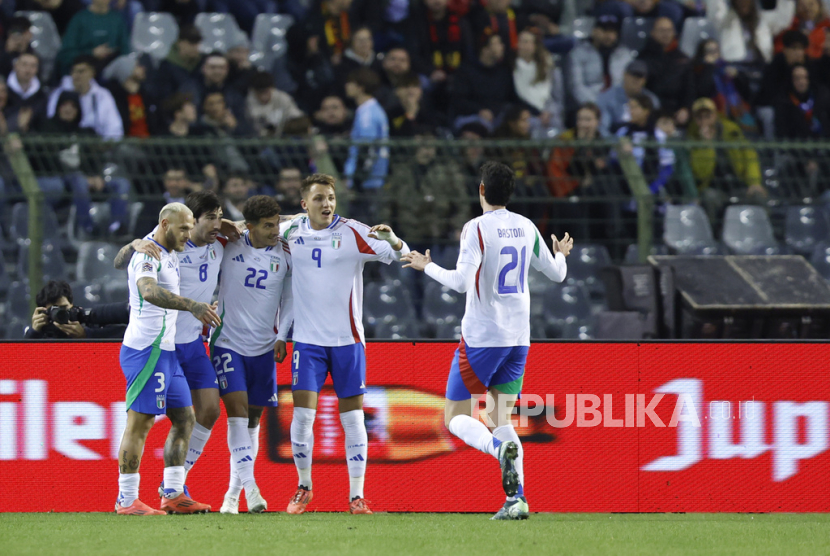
606	427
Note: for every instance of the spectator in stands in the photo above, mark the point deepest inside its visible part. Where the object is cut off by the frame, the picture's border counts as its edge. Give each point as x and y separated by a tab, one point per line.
332	119
426	197
746	32
778	74
180	71
215	70
180	111
27	99
62	11
395	68
578	170
435	40
126	77
545	16
235	192
288	190
804	111
526	162
725	84
241	70
473	133
483	87
219	118
811	19
96	31
359	54
98	109
410	114
493	17
175	187
57	293
618	8
194	159
538	82
370	124
266	108
596	65
669	70
326	31
18	41
614	101
659	8
720	173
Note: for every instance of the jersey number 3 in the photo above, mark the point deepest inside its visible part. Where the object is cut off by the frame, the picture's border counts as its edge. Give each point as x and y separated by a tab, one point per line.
519	282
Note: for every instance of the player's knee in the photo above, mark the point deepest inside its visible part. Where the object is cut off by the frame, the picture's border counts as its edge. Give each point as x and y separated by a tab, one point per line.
183	418
207	416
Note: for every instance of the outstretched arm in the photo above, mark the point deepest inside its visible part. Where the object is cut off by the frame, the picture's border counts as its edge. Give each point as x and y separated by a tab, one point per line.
160	297
122	259
461	279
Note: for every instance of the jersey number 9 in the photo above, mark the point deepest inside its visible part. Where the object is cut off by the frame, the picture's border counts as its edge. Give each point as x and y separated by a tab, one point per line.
317	255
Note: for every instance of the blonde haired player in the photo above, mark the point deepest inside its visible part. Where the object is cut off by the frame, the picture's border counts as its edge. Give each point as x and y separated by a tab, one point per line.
497	249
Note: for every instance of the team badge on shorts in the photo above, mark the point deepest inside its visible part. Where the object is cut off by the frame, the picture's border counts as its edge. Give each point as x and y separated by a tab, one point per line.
160	401
275	264
336	240
295	378
223	383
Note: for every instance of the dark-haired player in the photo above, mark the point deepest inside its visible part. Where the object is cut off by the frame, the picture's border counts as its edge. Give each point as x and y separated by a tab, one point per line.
497	249
255	304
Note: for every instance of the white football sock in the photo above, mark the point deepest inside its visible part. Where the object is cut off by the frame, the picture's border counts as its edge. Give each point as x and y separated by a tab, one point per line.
198	439
357	450
253	433
302	443
174	480
474	433
128	488
239	443
235	486
506	433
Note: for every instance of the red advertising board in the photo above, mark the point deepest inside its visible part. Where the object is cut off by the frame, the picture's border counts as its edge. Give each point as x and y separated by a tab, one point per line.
608	427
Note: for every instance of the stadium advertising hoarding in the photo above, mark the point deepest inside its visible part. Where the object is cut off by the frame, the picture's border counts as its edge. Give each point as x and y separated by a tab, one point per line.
607	427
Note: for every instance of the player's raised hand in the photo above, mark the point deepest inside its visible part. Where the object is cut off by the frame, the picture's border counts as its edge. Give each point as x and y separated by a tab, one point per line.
564	246
385	233
416	260
230	229
280	351
206	314
147	247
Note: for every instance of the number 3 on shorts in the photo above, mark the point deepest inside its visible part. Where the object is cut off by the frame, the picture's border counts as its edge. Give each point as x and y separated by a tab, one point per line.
160	376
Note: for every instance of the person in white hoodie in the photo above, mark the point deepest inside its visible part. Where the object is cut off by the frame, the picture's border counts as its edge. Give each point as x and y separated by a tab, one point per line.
539	82
746	32
27	99
267	108
98	109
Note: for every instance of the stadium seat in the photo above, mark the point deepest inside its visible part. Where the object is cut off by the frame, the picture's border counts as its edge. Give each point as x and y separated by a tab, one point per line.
95	263
635	31
154	34
695	30
219	31
566	305
87	294
116	291
268	39
52	262
805	227
46	41
19	229
747	231
582	27
4	276
446	257
687	229
442	304
16	328
632	253
387	302
403	330
448	331
17	301
584	263
820	259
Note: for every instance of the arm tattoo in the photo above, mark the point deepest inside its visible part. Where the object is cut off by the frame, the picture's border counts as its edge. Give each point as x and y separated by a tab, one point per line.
158	296
123	257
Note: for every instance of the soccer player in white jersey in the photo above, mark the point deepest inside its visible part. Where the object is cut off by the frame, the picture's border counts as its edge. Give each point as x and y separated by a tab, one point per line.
497	249
199	264
328	253
255	305
155	384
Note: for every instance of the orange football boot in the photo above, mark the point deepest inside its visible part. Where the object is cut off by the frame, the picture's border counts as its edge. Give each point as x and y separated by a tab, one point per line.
299	501
137	508
359	506
183	504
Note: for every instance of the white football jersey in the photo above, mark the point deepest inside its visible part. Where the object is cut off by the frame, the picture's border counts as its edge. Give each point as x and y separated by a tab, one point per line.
328	278
254	297
199	269
502	245
150	325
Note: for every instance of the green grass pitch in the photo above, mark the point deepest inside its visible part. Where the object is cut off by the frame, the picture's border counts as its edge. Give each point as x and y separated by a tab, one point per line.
400	534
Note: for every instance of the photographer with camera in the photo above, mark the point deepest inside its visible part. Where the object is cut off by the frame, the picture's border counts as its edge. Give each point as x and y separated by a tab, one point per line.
56	318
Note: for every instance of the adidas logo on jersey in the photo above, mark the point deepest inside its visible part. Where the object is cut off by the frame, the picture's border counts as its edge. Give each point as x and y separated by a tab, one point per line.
273	398
358	457
299	241
246	458
187	260
239	259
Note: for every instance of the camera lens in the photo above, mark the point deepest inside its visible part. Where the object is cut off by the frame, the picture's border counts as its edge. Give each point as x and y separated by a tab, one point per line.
59	315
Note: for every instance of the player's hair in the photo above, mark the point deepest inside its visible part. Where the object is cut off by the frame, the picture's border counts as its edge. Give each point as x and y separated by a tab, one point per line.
202	202
258	207
498	183
322	179
51	292
170	209
366	79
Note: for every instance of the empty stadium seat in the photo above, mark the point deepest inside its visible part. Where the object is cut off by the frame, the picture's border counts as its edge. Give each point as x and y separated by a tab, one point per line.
154	34
17	301
695	30
116	291
403	330
46	41
635	31
95	263
747	231
442	304
19	229
582	27
820	259
632	253
448	331
219	31
87	295
806	227
268	39
566	306
584	263
686	229
387	302
16	328
52	262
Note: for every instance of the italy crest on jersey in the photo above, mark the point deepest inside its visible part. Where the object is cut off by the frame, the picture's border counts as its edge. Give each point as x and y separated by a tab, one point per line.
275	264
336	240
160	401
212	253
